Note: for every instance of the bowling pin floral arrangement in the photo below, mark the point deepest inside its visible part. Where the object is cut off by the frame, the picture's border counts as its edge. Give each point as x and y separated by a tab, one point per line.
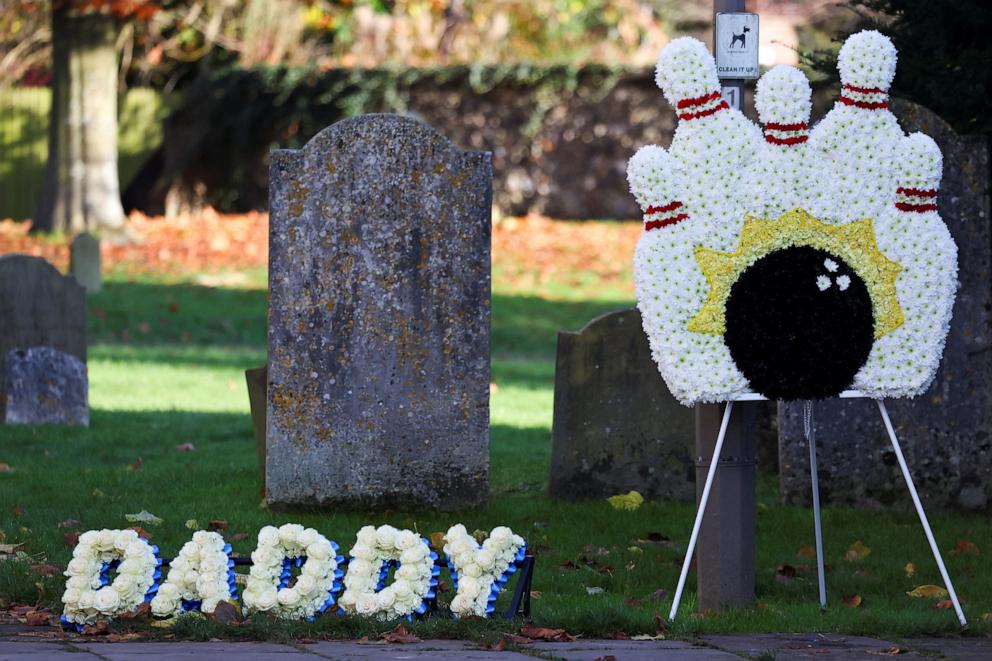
786	261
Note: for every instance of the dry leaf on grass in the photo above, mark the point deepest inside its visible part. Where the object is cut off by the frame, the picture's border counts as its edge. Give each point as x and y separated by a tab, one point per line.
807	552
71	538
857	552
965	547
11	549
928	592
185	447
45	569
400	635
101	628
144	516
544	633
38	618
853	601
217	525
910	569
626	501
5	467
437	540
226	613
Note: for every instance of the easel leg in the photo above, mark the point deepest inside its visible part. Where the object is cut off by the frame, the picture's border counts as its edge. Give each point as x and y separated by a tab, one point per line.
919	510
815	480
714	462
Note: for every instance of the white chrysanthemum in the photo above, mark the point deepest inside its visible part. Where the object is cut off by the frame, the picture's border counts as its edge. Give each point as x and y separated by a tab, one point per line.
867	59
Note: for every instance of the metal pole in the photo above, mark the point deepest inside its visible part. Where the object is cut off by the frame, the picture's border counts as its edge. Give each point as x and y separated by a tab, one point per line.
919	510
731	90
814	478
701	509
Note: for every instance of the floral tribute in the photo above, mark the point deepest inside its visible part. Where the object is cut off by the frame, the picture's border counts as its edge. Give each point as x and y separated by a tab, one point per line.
480	572
375	552
789	260
199	578
278	551
90	594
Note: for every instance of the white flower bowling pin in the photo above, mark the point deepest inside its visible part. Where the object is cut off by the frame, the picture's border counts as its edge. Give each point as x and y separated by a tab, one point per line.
669	284
857	139
712	141
911	232
783	175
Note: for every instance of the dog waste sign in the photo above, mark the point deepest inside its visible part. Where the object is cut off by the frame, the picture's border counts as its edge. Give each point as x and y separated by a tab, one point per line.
736	45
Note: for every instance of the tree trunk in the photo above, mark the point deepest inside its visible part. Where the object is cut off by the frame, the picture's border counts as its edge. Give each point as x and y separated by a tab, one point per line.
81	190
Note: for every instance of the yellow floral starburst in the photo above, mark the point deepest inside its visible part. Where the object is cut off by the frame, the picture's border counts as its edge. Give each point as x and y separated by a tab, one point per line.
854	243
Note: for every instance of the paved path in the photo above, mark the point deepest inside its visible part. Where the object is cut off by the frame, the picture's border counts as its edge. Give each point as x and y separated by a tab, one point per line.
780	647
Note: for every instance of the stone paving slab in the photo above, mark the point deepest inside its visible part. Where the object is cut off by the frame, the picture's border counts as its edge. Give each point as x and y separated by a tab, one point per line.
955	649
799	646
631	650
430	649
181	651
34	651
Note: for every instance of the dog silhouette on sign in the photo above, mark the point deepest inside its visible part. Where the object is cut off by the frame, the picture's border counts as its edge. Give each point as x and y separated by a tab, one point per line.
742	37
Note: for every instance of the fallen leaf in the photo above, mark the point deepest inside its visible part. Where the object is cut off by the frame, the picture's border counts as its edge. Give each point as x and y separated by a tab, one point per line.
543	633
437	540
632	602
536	594
10	549
568	565
143	516
192	524
185	447
69	523
44	569
857	552
645	636
607	657
238	536
807	552
71	538
38	618
142	533
500	645
891	651
141	612
628	501
944	603
591	590
226	613
910	569
965	547
658	595
18	510
635	549
591	549
136	465
122	637
853	601
617	635
217	525
399	635
101	628
660	625
928	592
5	467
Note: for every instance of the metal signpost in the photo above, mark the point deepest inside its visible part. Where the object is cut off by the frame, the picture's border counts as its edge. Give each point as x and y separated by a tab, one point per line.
725	556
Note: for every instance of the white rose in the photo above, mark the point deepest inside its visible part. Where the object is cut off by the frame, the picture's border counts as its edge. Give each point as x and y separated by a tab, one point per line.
105	540
78	582
79	567
169	591
268	536
71	595
213	564
107	600
290	533
467	585
460	546
366	604
414	554
347	600
124	538
385	599
88	538
406	539
408	572
385	537
266	600
367	536
209	605
402	591
320	550
361	551
471	570
457	530
86	599
485	559
124	584
289	597
309	536
207	587
305	584
500	534
461	603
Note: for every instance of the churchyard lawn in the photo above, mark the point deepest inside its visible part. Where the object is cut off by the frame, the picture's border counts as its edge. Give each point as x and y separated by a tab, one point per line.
170	434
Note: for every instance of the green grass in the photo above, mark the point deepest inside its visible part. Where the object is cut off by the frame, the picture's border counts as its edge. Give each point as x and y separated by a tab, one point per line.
179	378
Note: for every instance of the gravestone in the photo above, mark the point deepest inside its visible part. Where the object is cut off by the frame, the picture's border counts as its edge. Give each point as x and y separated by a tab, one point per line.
84	262
379	301
39	307
616	427
946	433
45	386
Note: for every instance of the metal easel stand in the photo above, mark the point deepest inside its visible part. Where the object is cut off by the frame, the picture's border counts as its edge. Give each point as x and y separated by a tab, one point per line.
810	437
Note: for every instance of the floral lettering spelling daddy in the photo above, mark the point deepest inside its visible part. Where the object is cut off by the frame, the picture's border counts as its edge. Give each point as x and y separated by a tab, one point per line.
790	261
202	574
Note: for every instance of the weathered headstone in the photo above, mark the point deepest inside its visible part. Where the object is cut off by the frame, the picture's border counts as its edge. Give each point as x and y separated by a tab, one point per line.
45	386
946	433
616	427
39	307
379	299
84	262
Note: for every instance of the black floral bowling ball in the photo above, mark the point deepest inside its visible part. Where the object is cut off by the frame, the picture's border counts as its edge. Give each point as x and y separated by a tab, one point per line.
799	324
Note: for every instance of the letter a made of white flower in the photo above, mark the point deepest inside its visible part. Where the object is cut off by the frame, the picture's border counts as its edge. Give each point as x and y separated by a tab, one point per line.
199	578
414	582
278	551
480	572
